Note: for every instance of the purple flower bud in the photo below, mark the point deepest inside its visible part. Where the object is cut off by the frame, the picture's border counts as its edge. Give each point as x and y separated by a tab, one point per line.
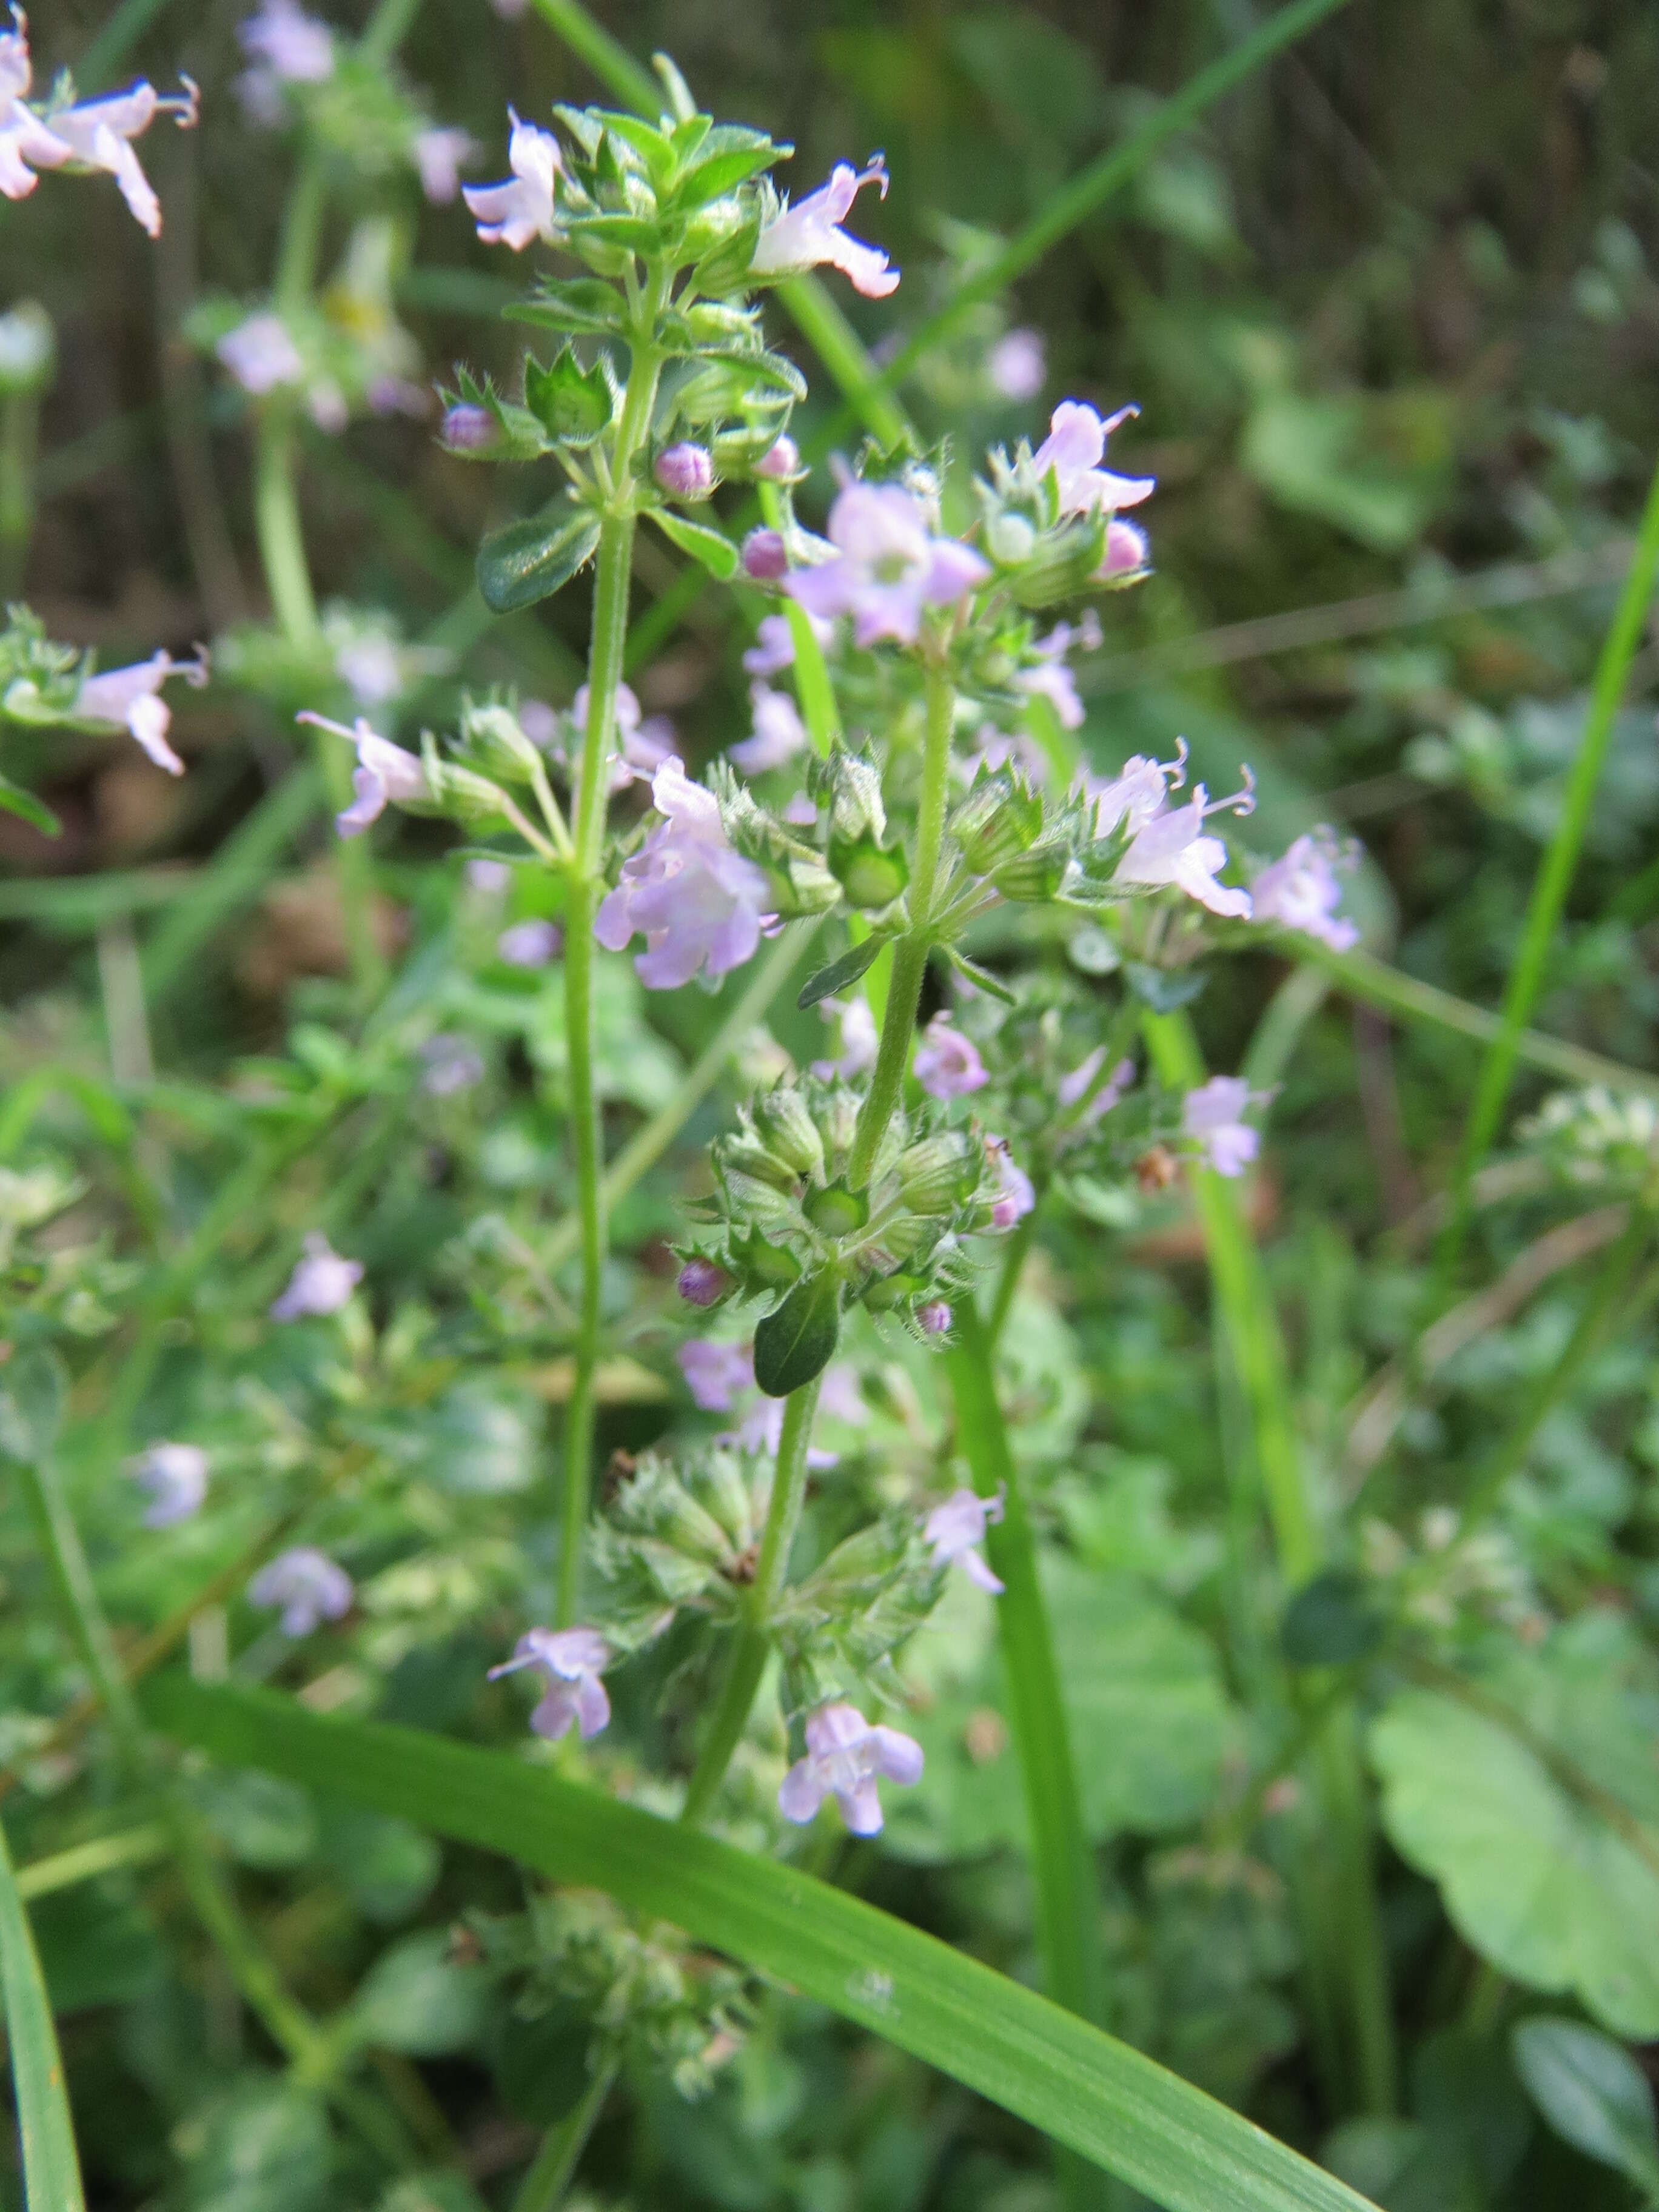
779	461
935	1318
765	556
467	429
685	471
702	1283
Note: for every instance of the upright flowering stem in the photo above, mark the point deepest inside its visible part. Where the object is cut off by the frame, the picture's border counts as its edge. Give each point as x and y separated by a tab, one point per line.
910	954
585	884
753	1644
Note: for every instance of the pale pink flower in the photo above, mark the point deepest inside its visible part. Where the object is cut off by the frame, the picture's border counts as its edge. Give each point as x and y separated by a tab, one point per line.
844	1756
25	143
513	213
698	905
530	943
385	773
774	649
451	1064
859	1040
571	1661
175	1477
1167	844
1015	1195
685	471
947	1064
888	567
809	234
779	732
644	741
1050	678
285	46
261	355
1213	1116
935	1318
781	461
765	558
308	1587
840	1396
701	1283
957	1529
1075	1087
1074	449
717	1375
440	155
1300	891
1126	555
1018	364
130	698
95	134
321	1282
994	749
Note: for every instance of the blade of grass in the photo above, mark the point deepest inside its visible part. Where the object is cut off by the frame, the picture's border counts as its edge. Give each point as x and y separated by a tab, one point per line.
52	2172
84	1862
1554	878
1066	1889
1083	2088
1342	1883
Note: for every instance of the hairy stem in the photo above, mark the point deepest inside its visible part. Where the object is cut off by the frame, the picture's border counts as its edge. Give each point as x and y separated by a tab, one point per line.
752	1641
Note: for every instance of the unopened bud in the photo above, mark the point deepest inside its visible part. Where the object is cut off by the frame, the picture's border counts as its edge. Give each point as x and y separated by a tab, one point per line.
1126	555
467	429
835	1210
935	1318
787	1130
1031	878
685	471
871	875
765	556
702	1283
1010	539
998	818
938	1174
779	462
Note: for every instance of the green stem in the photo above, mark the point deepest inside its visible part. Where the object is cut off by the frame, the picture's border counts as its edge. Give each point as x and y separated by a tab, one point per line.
753	1642
555	2165
276	525
910	953
1554	878
585	884
46	2130
1342	1898
1020	1240
19	419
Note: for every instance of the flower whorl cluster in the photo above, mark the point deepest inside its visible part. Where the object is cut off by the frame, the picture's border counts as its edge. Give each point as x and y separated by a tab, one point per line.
795	1231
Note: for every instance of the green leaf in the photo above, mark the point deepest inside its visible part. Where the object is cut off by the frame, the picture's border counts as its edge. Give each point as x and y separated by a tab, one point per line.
418	1999
656	151
711	547
1084	2088
530	559
756	361
983	979
14	800
52	2172
1592	2093
1541	1883
266	2150
799	1340
1331	1621
581	304
728	156
840	975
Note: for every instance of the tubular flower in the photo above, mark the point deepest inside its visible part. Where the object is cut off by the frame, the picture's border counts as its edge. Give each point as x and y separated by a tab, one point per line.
307	1586
514	212
717	1375
844	1757
779	732
438	155
320	1284
957	1529
809	233
947	1064
1015	1194
176	1477
130	698
384	773
888	566
1127	555
1213	1116
698	904
1074	449
1300	891
1167	844
571	1661
92	135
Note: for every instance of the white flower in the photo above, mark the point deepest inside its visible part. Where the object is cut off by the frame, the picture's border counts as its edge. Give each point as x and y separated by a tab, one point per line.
1074	449
130	698
320	1284
571	1661
308	1585
1300	891
844	1757
808	233
513	213
1213	1116
384	773
957	1529
698	905
779	732
261	355
439	156
176	1477
92	135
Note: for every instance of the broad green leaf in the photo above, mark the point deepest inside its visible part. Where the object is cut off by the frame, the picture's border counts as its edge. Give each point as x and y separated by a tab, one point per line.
711	547
530	559
52	2172
840	975
266	2150
797	1340
1592	2093
417	1999
1538	1881
1084	2088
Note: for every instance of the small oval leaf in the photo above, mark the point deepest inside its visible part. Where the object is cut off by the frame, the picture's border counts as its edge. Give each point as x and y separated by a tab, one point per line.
799	1340
530	560
711	547
840	973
